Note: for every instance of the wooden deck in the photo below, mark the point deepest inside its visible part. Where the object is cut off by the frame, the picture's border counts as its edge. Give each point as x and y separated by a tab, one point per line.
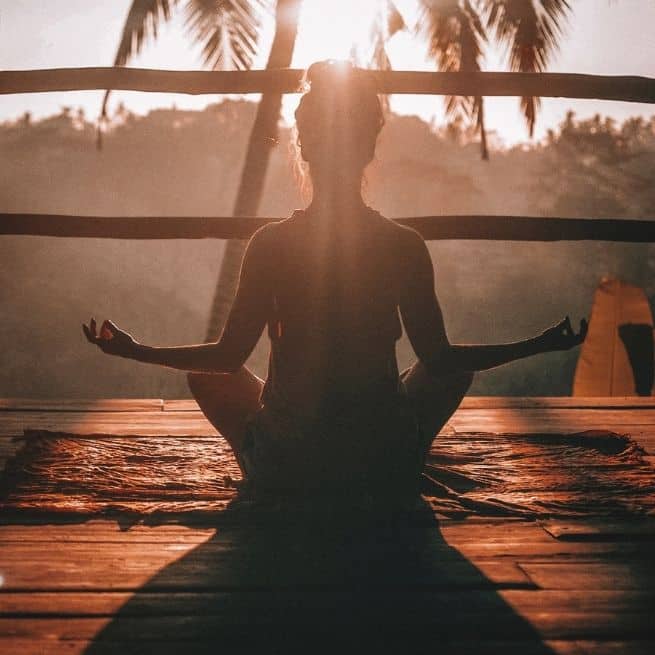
415	583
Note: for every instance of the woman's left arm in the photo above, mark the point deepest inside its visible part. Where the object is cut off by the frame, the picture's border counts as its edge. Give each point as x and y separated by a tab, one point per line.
483	357
242	330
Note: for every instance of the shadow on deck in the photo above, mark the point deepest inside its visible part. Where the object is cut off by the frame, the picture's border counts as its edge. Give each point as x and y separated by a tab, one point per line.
318	578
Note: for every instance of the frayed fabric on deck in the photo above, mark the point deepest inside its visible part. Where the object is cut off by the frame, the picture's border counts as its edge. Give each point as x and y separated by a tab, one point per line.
596	473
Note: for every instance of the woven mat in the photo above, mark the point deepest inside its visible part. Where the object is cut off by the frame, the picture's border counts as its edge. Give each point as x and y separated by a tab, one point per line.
468	474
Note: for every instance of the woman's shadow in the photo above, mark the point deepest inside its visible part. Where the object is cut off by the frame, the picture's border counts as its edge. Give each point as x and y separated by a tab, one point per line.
319	579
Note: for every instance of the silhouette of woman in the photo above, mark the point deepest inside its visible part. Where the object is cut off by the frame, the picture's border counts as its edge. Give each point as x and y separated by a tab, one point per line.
333	415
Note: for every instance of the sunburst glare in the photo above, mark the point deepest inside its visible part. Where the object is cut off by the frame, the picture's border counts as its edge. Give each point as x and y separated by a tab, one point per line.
336	29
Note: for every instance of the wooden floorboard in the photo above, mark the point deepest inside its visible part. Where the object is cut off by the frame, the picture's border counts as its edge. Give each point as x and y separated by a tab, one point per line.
643	529
82	405
53	646
483	585
498	402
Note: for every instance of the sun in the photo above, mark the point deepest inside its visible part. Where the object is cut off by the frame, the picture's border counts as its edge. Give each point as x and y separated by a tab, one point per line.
335	29
332	29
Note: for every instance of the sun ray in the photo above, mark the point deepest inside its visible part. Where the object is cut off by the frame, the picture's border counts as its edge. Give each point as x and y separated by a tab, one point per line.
335	29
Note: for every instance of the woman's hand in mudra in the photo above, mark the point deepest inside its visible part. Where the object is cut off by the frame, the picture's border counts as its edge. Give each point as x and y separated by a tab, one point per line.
562	336
111	339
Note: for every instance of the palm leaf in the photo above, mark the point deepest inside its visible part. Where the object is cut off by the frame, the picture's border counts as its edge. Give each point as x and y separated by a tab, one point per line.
395	21
142	22
455	36
228	31
531	29
386	22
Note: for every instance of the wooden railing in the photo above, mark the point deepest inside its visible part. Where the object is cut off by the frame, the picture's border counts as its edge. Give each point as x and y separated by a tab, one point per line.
546	85
510	228
432	228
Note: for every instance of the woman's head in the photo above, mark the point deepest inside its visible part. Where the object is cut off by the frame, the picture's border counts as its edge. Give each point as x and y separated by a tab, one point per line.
338	119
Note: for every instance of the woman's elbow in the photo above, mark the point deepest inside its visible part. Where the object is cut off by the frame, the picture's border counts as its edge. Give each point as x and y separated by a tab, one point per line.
226	360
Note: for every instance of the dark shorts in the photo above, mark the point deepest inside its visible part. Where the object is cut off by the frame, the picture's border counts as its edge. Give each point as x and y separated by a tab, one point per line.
366	448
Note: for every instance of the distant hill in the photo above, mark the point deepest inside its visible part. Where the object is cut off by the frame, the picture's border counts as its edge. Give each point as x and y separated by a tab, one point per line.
174	162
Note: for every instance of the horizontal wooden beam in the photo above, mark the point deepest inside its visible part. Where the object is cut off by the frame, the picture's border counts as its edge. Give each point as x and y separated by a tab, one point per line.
566	85
432	228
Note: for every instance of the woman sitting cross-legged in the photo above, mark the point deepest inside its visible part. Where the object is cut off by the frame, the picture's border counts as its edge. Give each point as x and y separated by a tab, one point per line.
332	283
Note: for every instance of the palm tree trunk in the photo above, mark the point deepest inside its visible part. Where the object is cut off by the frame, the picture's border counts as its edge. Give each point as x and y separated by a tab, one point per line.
263	138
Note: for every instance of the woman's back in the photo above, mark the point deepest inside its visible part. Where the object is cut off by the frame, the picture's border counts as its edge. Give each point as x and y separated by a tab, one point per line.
333	407
334	311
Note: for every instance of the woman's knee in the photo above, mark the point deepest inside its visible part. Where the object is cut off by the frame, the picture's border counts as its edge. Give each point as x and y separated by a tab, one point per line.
463	379
418	377
201	384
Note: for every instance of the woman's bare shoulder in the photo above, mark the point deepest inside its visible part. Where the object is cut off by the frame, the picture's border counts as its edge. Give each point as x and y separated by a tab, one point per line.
270	233
404	236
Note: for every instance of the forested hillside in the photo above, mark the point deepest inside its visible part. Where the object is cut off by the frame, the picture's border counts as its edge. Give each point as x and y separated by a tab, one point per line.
180	162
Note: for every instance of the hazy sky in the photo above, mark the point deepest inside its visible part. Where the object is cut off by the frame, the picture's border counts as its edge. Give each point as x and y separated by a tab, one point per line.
610	37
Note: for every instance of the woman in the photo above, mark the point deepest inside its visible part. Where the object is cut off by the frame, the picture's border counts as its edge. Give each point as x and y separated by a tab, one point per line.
329	283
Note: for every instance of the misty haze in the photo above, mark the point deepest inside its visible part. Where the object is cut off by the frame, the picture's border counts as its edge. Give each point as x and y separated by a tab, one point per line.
173	162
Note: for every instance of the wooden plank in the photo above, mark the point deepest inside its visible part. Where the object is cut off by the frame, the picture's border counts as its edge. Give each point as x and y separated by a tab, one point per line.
82	405
560	402
487	540
643	416
207	568
636	574
155	423
103	531
59	604
240	616
9	446
180	423
615	647
528	421
16	553
601	530
181	405
98	530
189	404
432	228
53	646
282	80
569	551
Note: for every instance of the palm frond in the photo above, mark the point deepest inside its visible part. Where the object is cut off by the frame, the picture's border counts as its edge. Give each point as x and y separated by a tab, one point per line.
142	22
395	20
531	30
455	37
387	22
228	31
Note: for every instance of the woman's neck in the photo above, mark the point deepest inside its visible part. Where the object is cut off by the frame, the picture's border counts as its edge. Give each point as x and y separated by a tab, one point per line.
336	197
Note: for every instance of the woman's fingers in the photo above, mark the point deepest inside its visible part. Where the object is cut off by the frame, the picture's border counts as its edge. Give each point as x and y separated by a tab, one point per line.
568	330
107	331
87	333
90	331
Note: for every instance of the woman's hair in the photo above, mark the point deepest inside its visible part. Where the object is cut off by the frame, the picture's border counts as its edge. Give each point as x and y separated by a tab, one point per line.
340	114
